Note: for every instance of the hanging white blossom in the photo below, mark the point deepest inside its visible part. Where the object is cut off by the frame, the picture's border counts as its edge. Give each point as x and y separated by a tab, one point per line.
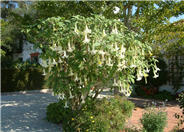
86	40
87	30
66	105
44	72
69	47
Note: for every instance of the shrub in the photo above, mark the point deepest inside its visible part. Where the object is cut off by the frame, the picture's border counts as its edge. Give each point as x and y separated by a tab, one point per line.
84	55
154	121
56	113
104	115
95	115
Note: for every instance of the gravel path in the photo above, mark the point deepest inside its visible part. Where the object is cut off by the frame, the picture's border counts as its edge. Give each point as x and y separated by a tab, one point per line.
26	113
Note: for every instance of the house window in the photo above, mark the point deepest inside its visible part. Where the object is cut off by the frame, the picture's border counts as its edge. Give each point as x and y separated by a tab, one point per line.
34	57
176	70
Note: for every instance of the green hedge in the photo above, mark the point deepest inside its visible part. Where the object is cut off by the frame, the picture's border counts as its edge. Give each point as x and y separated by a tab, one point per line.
21	79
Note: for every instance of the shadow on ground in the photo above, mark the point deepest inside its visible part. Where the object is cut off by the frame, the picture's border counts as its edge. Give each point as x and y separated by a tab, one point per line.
26	113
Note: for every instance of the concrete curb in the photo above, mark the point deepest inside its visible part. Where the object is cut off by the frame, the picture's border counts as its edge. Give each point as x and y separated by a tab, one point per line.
42	91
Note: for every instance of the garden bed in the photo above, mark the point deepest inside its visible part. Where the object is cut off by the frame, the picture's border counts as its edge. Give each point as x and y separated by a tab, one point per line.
171	108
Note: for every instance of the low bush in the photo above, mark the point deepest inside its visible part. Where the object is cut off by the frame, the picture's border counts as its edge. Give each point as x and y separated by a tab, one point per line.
56	113
154	120
108	115
101	115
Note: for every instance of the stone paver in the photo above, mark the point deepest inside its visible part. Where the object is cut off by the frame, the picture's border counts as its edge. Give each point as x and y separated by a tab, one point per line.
26	113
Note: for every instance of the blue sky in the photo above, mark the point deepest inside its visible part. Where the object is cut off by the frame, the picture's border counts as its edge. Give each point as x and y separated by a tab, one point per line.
173	19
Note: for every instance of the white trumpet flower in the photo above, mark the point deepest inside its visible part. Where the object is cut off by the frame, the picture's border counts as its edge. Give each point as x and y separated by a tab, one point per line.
123	49
87	30
102	53
83	101
93	51
71	72
44	63
59	49
133	66
76	30
76	78
60	61
69	47
54	62
66	105
115	83
122	56
86	40
62	96
156	75
71	96
65	56
104	34
116	47
139	78
157	69
44	72
115	30
109	62
147	70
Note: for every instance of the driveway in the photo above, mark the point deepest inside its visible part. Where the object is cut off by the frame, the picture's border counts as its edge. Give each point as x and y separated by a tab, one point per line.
26	112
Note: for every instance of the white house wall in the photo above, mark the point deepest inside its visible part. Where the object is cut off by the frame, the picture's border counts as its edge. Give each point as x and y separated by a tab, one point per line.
28	48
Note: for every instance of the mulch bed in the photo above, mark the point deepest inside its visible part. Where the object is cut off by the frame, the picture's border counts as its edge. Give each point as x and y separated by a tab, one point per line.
170	107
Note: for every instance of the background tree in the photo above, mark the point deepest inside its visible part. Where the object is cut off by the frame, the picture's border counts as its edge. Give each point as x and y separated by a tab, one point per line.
14	16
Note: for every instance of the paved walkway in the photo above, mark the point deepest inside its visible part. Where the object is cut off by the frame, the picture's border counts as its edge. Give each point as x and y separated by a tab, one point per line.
26	113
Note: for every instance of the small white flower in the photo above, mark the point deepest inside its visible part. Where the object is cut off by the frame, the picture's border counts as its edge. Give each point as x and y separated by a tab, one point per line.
71	96
44	72
54	62
66	105
60	61
109	62
83	99
62	96
71	73
133	66
76	30
122	56
114	30
115	83
76	78
65	56
69	47
156	75
139	78
104	34
123	49
59	49
116	47
86	40
157	69
87	30
147	70
102	53
127	94
44	63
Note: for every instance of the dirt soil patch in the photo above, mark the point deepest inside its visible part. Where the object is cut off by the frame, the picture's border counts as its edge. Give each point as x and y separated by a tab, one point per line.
170	107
